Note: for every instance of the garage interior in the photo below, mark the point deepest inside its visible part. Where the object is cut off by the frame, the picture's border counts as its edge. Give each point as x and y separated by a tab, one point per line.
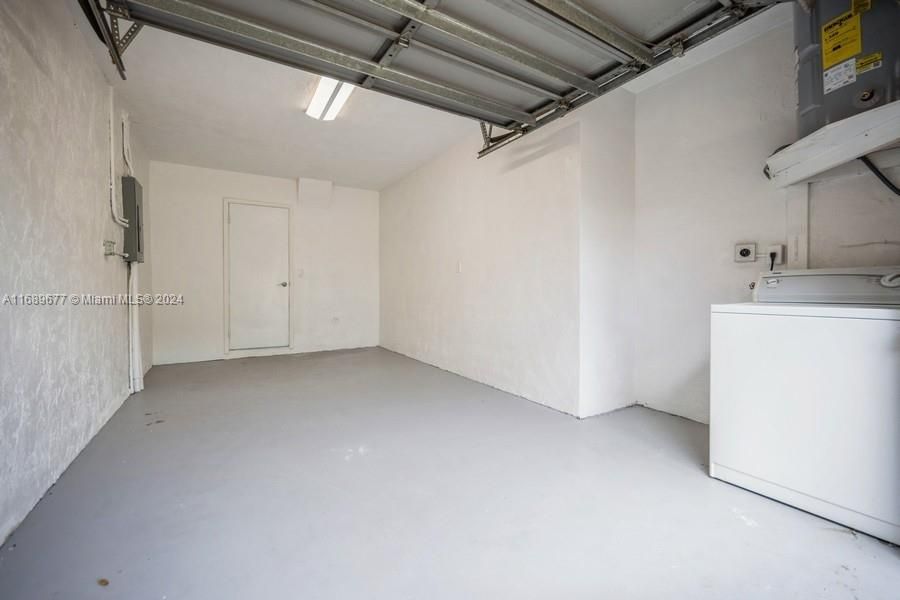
449	299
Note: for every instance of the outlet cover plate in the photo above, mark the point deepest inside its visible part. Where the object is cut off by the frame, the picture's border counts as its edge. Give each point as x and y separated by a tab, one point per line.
745	252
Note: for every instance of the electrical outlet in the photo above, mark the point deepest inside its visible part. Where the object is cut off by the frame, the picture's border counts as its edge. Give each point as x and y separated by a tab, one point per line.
745	252
778	250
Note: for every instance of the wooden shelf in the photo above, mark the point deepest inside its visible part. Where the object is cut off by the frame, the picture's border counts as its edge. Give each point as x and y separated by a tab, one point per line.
836	144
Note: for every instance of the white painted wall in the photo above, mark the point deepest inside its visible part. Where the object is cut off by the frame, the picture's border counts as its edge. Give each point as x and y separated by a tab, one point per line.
514	270
606	223
479	265
701	140
335	260
337	267
63	369
854	221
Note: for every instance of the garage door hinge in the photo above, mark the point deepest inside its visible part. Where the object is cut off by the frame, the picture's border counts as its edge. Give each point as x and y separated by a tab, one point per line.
117	11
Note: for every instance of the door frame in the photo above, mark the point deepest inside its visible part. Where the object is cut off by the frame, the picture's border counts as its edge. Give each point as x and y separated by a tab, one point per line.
227	352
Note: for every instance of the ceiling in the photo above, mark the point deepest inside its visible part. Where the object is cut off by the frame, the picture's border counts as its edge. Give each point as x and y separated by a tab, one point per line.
194	103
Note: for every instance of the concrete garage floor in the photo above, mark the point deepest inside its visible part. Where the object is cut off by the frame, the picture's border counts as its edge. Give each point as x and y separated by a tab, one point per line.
365	474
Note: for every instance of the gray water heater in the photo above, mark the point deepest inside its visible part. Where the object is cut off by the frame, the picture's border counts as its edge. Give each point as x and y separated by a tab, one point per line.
848	59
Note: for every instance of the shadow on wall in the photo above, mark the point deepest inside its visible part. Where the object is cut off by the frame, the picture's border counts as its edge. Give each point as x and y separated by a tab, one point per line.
522	153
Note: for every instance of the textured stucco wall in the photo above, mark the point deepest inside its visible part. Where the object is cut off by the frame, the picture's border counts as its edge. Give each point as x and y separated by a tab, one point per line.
63	370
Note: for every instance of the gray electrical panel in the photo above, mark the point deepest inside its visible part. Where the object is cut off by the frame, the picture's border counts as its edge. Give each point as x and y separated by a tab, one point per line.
133	208
848	59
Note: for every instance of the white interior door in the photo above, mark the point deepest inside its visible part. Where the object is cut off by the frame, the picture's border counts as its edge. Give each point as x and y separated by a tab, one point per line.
258	276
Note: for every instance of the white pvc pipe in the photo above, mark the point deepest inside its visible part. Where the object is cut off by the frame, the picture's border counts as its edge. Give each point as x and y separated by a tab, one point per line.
126	144
117	219
135	360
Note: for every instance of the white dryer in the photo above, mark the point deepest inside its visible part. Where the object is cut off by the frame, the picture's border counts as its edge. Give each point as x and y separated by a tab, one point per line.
805	395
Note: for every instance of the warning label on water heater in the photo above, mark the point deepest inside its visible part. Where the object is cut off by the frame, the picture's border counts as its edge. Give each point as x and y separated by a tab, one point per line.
868	63
840	75
841	39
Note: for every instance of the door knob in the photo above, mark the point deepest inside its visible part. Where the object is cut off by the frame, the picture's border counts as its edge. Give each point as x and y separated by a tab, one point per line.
283	284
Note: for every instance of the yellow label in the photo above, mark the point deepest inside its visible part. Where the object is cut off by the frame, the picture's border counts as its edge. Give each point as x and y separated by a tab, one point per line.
841	39
861	5
868	63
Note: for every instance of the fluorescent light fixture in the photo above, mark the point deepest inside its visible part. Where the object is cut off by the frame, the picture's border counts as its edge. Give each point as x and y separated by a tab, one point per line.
320	98
328	99
344	91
